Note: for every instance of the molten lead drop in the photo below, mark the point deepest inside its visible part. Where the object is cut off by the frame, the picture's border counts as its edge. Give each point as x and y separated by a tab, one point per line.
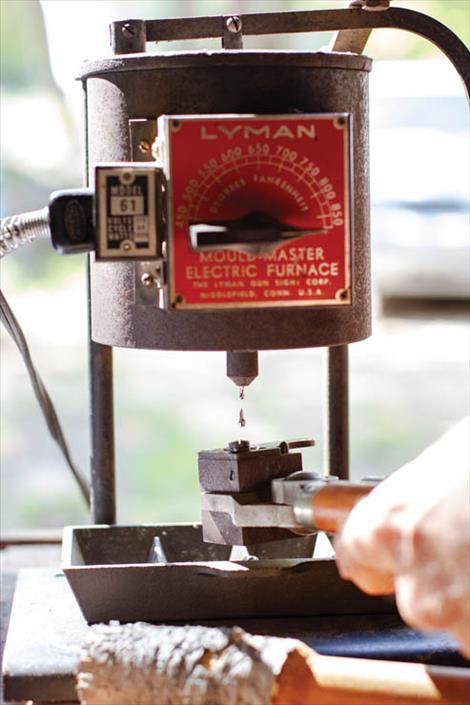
241	416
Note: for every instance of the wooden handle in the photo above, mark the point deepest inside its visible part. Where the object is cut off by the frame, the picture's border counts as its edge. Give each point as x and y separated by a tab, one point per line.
332	503
312	679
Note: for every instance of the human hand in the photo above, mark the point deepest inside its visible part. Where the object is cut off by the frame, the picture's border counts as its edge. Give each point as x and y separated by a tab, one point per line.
411	536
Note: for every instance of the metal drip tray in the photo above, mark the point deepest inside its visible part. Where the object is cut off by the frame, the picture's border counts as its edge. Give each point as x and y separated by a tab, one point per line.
111	577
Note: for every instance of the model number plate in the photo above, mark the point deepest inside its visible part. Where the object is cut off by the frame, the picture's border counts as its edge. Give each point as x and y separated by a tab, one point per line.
126	212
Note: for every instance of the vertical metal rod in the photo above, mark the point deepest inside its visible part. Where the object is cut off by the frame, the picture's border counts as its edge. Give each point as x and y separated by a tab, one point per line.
103	492
336	421
100	370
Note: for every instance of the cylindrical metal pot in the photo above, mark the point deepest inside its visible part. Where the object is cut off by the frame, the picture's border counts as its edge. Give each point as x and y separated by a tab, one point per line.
145	86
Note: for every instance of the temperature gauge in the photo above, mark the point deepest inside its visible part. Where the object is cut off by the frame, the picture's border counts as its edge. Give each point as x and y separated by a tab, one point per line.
259	210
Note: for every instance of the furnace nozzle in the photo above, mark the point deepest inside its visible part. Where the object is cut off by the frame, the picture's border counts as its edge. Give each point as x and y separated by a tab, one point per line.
242	367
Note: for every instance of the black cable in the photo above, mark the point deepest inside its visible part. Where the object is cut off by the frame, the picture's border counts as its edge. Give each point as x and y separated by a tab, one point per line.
14	329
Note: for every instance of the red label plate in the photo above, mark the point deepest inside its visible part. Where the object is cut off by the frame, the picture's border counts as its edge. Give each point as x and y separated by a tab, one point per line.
293	168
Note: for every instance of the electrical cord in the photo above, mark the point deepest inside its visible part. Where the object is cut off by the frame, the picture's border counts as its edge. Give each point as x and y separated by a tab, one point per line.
14	329
19	229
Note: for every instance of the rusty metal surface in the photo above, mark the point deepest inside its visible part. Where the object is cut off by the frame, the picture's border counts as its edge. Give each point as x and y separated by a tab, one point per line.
142	87
47	630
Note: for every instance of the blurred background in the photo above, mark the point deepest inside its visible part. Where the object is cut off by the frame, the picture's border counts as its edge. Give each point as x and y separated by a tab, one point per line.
409	382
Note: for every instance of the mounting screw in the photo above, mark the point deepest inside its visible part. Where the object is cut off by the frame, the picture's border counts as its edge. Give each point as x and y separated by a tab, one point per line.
376	4
128	29
147	279
126	178
234	24
370	4
144	146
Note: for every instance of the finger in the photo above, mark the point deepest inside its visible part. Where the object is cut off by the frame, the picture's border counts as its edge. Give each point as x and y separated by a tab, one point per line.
461	632
426	604
369	580
371	538
414	606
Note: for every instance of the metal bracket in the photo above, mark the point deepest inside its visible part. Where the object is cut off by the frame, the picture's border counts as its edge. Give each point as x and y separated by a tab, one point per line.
128	36
355	40
142	136
150	284
355	18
